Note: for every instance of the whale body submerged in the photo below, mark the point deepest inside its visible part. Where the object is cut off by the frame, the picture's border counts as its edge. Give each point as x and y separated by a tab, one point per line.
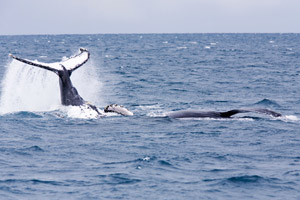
214	114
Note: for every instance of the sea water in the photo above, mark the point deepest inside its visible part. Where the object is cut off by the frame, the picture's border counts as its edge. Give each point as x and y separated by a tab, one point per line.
50	152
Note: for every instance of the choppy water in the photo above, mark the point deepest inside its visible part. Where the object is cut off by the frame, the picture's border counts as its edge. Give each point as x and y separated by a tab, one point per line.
48	153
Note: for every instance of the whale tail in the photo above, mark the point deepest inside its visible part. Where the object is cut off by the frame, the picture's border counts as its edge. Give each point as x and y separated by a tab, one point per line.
70	64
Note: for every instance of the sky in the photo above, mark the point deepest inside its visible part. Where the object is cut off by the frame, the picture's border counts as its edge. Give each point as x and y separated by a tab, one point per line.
23	17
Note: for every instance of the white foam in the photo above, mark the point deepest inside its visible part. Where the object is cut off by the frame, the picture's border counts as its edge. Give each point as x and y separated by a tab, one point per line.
289	118
153	110
147	158
150	107
80	112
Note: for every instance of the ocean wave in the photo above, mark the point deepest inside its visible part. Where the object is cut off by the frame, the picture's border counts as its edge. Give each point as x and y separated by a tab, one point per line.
254	180
34	148
48	155
165	163
246	179
31	181
25	114
118	179
267	102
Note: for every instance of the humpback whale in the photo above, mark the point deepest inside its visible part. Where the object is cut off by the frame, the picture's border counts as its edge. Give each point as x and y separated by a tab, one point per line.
214	114
69	94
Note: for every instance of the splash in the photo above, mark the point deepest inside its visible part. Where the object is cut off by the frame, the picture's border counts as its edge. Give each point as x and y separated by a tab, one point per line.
80	112
88	83
154	110
28	88
289	118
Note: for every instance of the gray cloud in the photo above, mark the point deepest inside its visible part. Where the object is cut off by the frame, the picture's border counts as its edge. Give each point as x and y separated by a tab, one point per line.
145	16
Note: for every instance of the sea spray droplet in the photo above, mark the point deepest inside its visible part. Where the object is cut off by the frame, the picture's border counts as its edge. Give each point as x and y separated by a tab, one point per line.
26	88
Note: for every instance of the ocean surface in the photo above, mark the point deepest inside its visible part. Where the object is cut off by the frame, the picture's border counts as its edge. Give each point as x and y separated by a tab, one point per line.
48	151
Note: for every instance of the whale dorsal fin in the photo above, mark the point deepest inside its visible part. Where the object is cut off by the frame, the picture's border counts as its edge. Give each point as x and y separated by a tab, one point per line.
232	112
70	64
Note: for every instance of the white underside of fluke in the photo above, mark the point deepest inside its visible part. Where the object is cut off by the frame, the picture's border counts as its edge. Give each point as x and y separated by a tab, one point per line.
70	63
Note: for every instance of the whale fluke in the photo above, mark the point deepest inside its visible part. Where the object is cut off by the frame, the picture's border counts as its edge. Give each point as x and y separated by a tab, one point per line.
69	94
64	69
70	64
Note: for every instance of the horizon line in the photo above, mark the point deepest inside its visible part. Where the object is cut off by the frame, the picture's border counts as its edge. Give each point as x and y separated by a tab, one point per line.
144	33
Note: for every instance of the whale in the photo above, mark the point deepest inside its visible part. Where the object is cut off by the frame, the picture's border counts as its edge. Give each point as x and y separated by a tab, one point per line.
68	93
70	96
219	115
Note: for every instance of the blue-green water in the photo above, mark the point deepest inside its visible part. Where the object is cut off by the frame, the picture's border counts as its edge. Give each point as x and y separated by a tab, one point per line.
47	154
